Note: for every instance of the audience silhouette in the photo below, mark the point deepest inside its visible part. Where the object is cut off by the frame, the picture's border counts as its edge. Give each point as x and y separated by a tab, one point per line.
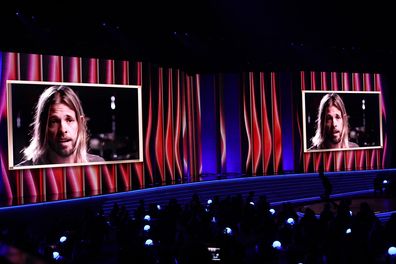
232	229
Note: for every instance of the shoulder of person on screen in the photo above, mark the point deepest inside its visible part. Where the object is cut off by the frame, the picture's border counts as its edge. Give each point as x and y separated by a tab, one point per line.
352	145
94	158
29	162
314	147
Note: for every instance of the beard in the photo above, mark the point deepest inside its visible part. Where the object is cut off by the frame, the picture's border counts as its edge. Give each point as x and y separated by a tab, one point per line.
63	150
333	138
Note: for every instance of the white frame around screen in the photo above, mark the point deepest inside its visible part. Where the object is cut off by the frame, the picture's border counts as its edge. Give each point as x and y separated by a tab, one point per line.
9	83
304	118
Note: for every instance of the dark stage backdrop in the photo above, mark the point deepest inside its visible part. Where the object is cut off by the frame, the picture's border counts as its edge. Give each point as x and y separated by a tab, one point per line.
195	127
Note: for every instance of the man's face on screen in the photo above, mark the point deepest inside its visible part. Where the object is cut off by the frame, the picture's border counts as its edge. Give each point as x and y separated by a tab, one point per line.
62	130
334	126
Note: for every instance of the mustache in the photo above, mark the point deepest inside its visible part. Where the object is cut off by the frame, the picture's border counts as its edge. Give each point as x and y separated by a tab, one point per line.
63	139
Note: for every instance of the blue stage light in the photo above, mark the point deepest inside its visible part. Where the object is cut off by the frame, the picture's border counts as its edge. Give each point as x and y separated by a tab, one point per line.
149	243
56	256
392	251
62	239
146	228
228	231
290	221
277	244
147	217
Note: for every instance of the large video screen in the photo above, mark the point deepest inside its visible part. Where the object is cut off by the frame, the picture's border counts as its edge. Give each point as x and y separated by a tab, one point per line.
341	120
57	124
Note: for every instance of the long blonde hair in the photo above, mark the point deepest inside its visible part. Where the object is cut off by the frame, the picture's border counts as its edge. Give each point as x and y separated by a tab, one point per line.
330	99
37	150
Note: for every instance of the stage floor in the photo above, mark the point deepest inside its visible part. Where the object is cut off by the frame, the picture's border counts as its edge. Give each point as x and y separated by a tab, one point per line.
381	205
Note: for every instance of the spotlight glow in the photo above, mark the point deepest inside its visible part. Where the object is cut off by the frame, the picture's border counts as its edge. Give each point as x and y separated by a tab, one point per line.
277	244
56	255
228	231
149	243
392	251
290	221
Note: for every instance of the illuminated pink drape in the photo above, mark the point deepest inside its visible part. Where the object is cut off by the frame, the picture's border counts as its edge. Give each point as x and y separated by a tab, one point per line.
171	143
261	112
342	160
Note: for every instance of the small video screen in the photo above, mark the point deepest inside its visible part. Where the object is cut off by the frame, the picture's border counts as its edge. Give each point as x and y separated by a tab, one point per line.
215	253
